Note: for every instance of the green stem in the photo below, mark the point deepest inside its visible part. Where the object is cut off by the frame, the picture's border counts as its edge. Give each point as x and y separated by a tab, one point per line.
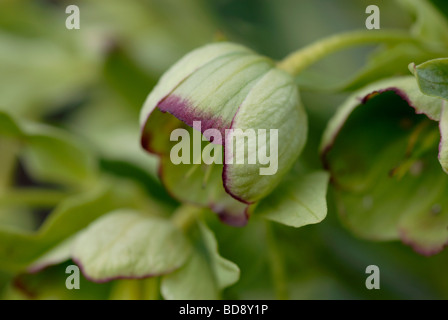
276	264
32	197
151	289
185	216
303	58
8	153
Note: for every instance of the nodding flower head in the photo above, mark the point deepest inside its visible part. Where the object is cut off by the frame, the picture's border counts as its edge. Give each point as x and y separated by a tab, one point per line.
246	124
381	149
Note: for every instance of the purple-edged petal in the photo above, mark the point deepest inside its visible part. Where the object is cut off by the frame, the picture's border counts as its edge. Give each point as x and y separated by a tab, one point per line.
381	149
213	93
405	87
273	113
184	68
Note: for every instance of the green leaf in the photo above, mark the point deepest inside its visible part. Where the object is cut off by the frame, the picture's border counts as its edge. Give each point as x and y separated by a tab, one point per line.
300	200
20	248
194	281
39	72
49	284
54	156
226	272
8	152
42	67
127	244
19	218
97	124
50	154
118	63
432	77
204	275
8	126
429	24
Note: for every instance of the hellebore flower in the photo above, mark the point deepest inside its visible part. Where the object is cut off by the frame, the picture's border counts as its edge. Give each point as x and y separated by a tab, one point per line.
382	149
226	92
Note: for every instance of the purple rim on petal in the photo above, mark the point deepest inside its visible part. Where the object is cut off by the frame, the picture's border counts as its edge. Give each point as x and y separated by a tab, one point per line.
183	110
425	251
363	101
103	280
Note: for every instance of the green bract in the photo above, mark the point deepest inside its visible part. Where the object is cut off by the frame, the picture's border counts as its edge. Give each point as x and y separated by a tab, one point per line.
224	86
205	274
381	149
432	77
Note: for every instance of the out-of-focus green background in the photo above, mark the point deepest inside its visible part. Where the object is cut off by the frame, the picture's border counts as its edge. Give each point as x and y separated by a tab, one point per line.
93	82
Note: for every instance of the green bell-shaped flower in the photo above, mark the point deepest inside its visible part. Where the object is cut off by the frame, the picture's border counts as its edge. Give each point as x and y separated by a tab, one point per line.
252	123
384	149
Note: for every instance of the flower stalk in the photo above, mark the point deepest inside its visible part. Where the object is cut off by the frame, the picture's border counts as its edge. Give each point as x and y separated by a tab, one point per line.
33	197
301	59
276	265
185	216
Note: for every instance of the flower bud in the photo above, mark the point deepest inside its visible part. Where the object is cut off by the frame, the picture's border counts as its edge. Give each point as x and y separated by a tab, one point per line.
249	114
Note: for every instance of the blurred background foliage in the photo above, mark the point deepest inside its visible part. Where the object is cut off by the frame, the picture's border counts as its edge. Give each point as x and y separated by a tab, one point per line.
91	83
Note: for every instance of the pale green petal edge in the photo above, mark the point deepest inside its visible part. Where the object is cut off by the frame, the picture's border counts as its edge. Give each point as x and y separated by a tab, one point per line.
128	244
297	203
406	86
443	148
182	69
432	77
